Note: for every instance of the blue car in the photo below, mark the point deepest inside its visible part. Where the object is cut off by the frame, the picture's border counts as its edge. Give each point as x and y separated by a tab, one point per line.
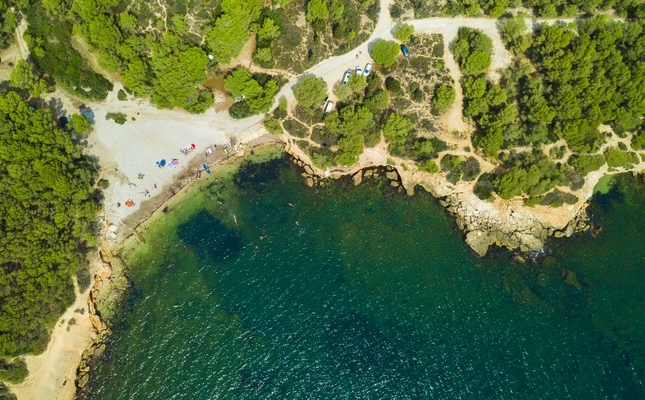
405	50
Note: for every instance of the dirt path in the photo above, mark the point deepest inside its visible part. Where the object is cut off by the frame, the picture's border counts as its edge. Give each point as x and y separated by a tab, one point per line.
19	32
52	373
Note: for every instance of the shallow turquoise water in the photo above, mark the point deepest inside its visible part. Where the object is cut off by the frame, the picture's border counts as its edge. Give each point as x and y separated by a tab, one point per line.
363	293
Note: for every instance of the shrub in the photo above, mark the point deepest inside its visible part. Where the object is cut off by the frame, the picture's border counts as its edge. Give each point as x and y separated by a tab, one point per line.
240	110
586	163
617	159
443	98
470	169
557	198
13	372
322	157
295	128
428	166
273	126
450	163
309	116
121	95
638	141
119	118
392	85
323	136
396	11
403	32
484	187
103	183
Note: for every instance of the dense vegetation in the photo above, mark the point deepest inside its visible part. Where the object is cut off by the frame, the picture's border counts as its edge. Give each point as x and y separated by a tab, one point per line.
14	371
496	8
47	214
8	22
253	94
472	50
384	52
49	40
166	50
24	76
568	80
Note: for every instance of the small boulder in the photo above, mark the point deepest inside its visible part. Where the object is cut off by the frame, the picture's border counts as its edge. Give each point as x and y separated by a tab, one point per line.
478	241
82	381
310	181
392	175
309	170
358	178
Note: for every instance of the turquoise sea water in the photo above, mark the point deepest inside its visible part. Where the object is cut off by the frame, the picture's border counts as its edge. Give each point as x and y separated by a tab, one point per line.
261	288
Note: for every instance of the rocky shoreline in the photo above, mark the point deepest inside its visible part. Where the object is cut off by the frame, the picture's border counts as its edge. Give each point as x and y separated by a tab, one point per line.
482	225
104	302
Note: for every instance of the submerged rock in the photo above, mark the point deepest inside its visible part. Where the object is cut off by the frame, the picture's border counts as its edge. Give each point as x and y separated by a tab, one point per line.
570	278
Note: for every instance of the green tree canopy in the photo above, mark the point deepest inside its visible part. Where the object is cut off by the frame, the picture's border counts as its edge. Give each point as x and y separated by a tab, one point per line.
385	52
247	89
443	98
47	219
80	124
472	50
24	76
403	32
310	91
317	10
514	34
177	71
397	127
231	30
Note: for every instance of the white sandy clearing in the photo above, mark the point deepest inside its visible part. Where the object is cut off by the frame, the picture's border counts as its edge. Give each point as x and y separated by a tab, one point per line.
52	373
124	151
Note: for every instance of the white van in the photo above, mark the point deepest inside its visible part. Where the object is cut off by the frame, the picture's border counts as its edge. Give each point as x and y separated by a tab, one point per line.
348	73
329	107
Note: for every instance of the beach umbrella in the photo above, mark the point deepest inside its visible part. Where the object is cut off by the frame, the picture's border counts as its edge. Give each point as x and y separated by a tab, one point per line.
162	162
157	164
193	145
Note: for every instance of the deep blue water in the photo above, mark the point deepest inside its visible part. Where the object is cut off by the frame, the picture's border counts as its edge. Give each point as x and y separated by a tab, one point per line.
257	287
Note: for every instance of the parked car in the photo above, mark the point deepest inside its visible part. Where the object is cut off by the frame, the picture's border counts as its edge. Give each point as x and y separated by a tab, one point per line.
359	71
367	70
329	107
348	73
405	50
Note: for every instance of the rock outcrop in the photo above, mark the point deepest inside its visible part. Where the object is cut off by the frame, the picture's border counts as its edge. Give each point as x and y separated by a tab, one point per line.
103	303
504	224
